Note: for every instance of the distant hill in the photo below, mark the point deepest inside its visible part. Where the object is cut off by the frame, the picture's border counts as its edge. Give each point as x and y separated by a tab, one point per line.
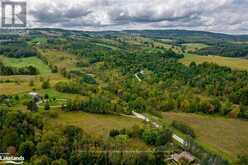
218	43
179	35
189	36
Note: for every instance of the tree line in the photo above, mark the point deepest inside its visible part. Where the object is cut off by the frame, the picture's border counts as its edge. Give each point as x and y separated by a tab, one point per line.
9	70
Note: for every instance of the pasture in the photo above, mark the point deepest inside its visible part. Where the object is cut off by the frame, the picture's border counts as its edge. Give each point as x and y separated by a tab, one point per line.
234	63
223	135
96	123
22	62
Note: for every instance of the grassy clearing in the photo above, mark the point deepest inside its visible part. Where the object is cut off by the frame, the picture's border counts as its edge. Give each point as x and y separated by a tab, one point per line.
194	46
226	136
59	95
14	88
60	59
234	63
22	62
39	40
94	123
21	83
98	126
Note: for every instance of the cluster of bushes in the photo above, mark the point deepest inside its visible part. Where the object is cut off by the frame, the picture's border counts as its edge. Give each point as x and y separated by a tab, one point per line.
8	70
243	159
87	79
183	128
196	104
45	84
116	132
151	136
9	100
18	51
92	104
156	137
69	87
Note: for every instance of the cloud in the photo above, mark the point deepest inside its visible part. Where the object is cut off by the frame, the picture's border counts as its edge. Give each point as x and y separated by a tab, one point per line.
216	15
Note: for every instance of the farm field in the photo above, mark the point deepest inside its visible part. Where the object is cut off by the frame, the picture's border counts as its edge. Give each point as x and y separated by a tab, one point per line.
234	63
194	46
20	84
99	126
95	123
226	136
21	62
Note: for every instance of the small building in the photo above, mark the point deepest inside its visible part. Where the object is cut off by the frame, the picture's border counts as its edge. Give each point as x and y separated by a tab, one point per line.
35	95
182	156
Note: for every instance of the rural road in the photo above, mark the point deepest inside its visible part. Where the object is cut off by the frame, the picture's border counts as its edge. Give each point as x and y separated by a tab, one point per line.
145	118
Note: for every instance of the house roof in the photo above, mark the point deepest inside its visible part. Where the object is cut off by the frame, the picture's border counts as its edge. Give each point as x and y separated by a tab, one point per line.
185	155
33	94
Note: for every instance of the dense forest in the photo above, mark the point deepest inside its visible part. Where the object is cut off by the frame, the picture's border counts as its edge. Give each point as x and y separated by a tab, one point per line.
225	49
17	49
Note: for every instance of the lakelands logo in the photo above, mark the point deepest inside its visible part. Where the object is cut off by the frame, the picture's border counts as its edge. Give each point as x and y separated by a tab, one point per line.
6	158
14	14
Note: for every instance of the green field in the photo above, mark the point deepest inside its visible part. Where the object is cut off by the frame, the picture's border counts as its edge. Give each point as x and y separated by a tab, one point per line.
194	46
39	40
95	123
22	62
21	83
234	63
226	136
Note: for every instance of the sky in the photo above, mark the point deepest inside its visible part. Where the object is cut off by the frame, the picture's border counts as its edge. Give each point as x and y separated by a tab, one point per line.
226	16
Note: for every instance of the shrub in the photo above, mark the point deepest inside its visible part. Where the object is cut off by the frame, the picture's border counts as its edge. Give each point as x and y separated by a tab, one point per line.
53	114
26	149
45	84
243	160
68	87
87	79
234	113
164	137
150	136
114	133
47	106
156	137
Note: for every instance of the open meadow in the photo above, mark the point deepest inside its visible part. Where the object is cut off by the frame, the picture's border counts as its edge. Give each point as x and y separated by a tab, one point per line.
28	61
96	123
234	63
226	136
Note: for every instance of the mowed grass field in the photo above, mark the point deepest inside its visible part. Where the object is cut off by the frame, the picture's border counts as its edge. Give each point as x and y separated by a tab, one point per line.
234	63
95	123
223	135
22	62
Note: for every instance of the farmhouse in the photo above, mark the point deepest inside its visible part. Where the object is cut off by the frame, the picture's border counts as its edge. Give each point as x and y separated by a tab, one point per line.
182	156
